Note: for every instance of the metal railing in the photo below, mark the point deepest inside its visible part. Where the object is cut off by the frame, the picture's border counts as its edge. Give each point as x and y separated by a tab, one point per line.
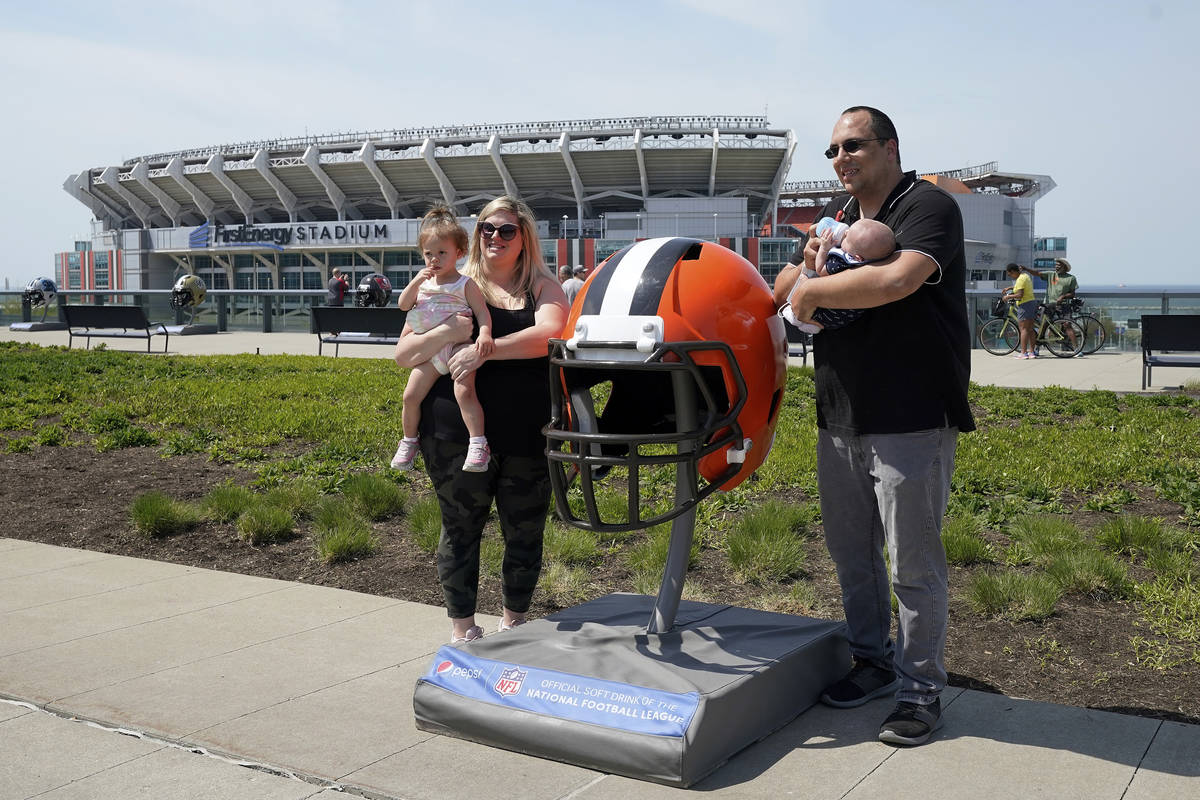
265	310
287	310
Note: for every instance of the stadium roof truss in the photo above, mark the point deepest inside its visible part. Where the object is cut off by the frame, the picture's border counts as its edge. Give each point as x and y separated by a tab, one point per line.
585	167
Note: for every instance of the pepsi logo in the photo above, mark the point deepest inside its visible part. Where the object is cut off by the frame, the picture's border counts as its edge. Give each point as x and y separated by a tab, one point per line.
445	666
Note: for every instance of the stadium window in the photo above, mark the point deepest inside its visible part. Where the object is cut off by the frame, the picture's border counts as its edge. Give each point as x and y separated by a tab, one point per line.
1008	219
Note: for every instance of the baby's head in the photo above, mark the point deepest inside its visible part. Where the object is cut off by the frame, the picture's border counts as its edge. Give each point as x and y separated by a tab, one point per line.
869	239
440	223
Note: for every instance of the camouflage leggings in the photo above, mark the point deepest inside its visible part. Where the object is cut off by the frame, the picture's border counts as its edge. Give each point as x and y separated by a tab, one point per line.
520	486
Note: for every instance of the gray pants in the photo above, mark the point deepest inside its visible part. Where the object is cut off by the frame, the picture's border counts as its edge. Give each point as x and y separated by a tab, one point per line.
891	489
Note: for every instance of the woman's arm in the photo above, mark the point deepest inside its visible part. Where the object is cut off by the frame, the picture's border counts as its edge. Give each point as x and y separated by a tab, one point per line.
549	317
417	348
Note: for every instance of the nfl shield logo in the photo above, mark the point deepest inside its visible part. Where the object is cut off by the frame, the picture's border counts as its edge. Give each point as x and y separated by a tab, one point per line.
510	681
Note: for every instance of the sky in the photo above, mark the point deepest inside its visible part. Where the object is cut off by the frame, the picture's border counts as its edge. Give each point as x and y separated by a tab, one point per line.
1095	95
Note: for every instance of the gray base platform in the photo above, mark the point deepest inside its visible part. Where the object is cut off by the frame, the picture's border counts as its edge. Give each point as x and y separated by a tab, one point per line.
590	687
38	326
190	330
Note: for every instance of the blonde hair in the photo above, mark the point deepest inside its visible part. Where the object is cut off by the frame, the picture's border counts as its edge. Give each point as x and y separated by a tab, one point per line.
440	222
530	266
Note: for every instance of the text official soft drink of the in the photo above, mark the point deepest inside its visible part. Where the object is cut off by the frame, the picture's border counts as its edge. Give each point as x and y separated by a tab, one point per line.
830	224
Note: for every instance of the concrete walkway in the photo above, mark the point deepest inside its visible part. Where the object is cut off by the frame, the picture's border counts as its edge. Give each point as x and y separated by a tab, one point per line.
1120	372
125	678
137	678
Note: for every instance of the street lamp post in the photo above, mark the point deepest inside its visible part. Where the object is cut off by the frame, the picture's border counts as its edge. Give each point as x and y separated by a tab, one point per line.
639	226
714	226
564	227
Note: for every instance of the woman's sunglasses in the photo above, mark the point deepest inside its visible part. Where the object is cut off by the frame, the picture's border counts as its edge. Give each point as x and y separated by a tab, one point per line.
850	146
507	231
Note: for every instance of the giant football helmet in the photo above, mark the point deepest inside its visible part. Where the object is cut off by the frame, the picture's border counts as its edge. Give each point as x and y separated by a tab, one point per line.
683	336
40	292
373	290
189	291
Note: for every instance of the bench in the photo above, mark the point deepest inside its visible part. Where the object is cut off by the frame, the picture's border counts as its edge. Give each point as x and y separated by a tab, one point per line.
121	322
1169	340
339	325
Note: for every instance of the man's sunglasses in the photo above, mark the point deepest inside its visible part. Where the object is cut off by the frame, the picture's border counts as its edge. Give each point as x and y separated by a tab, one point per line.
850	146
507	231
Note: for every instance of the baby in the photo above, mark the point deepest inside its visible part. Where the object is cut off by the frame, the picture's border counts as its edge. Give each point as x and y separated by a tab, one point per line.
843	247
438	292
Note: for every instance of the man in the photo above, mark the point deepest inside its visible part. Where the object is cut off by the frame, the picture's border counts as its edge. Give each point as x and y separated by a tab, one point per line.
573	281
335	290
891	393
1060	284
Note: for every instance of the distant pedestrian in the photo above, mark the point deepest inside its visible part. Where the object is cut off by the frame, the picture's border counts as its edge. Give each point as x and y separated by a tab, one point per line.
336	288
574	281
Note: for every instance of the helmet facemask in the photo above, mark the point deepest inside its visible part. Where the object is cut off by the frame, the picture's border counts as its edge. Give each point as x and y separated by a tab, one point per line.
660	414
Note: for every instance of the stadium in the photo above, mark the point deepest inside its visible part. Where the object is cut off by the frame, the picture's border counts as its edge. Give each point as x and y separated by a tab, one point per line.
280	214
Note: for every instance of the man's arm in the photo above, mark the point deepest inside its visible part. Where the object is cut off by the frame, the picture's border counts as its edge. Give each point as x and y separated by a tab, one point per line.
867	286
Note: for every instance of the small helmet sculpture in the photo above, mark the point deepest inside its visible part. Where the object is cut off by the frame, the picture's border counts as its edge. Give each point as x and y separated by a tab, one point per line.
373	290
40	292
189	291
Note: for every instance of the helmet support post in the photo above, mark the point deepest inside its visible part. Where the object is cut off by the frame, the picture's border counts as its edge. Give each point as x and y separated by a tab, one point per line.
683	527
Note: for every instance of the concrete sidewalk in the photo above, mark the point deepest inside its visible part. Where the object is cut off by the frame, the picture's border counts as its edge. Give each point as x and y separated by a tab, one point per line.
137	678
1118	372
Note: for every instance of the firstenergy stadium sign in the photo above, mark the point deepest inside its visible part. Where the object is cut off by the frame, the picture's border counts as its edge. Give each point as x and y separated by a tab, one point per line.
277	237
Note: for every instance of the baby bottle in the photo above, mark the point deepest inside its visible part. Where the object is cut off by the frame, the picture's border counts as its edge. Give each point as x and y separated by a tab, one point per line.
830	224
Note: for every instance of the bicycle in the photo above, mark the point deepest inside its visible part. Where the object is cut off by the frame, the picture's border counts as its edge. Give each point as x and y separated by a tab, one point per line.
1094	332
1063	337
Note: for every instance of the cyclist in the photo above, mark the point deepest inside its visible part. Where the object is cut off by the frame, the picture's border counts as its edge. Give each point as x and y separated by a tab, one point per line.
1060	284
1021	294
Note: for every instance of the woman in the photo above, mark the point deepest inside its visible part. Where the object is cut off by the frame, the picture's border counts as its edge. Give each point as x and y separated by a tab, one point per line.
1021	293
528	307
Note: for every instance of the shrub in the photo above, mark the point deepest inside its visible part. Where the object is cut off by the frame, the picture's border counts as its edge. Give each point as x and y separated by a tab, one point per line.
375	496
799	598
1013	595
264	524
300	498
766	544
341	534
1131	535
650	555
1089	572
226	502
563	585
425	522
129	436
51	436
1041	538
569	545
156	514
964	546
21	444
491	555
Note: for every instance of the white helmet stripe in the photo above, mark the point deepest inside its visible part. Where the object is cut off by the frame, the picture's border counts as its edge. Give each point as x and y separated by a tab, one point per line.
627	276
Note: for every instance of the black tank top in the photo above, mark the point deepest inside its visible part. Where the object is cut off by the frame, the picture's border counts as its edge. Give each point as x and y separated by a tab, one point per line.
514	393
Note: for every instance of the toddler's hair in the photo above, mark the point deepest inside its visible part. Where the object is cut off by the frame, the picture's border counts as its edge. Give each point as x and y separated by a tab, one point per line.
441	223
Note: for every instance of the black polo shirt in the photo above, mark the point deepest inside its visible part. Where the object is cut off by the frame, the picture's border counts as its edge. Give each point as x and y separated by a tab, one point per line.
903	366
